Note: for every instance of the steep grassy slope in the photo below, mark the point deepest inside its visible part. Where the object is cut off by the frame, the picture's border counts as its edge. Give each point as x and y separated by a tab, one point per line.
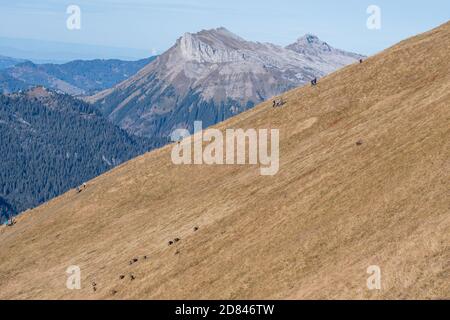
310	231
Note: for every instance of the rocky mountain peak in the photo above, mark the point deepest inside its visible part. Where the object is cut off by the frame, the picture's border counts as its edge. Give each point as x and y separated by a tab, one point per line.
308	44
309	38
213	46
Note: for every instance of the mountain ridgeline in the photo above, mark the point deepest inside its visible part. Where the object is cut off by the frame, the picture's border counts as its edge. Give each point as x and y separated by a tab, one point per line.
7	62
53	142
211	76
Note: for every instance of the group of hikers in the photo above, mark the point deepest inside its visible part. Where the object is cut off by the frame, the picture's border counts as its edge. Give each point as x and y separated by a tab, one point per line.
81	188
314	81
11	221
280	102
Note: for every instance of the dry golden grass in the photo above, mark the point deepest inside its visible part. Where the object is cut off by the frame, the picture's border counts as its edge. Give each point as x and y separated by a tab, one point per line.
310	231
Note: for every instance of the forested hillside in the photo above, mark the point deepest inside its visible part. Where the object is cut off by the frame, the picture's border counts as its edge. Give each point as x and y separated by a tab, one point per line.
51	143
5	210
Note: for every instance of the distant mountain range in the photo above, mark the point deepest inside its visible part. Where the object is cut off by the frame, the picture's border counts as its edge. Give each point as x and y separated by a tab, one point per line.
7	62
213	75
42	51
78	77
52	142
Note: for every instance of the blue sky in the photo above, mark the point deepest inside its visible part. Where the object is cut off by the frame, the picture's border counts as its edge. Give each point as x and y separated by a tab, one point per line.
139	28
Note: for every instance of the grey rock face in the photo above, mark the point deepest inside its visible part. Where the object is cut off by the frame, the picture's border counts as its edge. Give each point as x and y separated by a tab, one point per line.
210	76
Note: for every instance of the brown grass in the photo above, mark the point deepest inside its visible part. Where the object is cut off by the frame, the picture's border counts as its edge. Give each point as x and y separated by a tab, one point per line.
310	231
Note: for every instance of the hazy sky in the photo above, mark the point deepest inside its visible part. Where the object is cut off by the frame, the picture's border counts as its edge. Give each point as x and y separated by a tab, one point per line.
154	25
